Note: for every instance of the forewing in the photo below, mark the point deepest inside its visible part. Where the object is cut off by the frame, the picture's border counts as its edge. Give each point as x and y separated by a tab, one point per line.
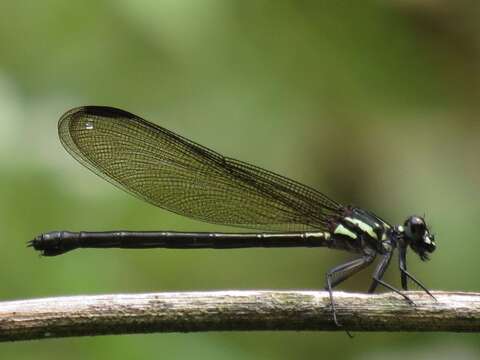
176	174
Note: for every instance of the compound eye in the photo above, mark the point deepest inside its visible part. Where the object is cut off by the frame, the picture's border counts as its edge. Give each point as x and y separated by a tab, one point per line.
417	229
417	225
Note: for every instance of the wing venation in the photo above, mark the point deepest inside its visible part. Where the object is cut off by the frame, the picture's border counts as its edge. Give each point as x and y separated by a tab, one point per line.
174	173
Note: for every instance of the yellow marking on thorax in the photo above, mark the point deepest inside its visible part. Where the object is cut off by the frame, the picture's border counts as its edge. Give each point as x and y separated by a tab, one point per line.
363	226
342	230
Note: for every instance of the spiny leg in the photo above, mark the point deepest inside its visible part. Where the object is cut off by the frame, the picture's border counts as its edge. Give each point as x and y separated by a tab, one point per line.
402	260
405	274
378	274
342	272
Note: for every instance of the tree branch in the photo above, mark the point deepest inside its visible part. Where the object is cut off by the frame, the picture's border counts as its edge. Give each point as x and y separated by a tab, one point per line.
235	310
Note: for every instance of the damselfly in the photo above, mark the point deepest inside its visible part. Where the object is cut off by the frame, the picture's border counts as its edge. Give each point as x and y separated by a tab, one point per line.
177	174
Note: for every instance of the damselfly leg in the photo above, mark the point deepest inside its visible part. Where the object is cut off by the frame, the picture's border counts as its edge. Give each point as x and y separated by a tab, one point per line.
342	272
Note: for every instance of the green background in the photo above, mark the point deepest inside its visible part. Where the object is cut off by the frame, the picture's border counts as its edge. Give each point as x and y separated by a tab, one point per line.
373	102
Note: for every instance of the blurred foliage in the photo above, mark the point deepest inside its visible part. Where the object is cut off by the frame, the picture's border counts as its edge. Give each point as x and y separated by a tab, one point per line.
373	102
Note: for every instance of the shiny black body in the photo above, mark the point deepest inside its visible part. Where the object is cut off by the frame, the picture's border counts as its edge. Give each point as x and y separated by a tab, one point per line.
177	174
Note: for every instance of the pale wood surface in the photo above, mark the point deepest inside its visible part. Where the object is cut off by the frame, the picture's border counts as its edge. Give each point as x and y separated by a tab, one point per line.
235	310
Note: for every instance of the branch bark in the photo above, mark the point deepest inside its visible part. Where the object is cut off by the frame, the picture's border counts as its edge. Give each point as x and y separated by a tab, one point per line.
235	310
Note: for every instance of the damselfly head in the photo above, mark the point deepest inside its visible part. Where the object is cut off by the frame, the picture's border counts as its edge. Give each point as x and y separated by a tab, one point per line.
418	236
